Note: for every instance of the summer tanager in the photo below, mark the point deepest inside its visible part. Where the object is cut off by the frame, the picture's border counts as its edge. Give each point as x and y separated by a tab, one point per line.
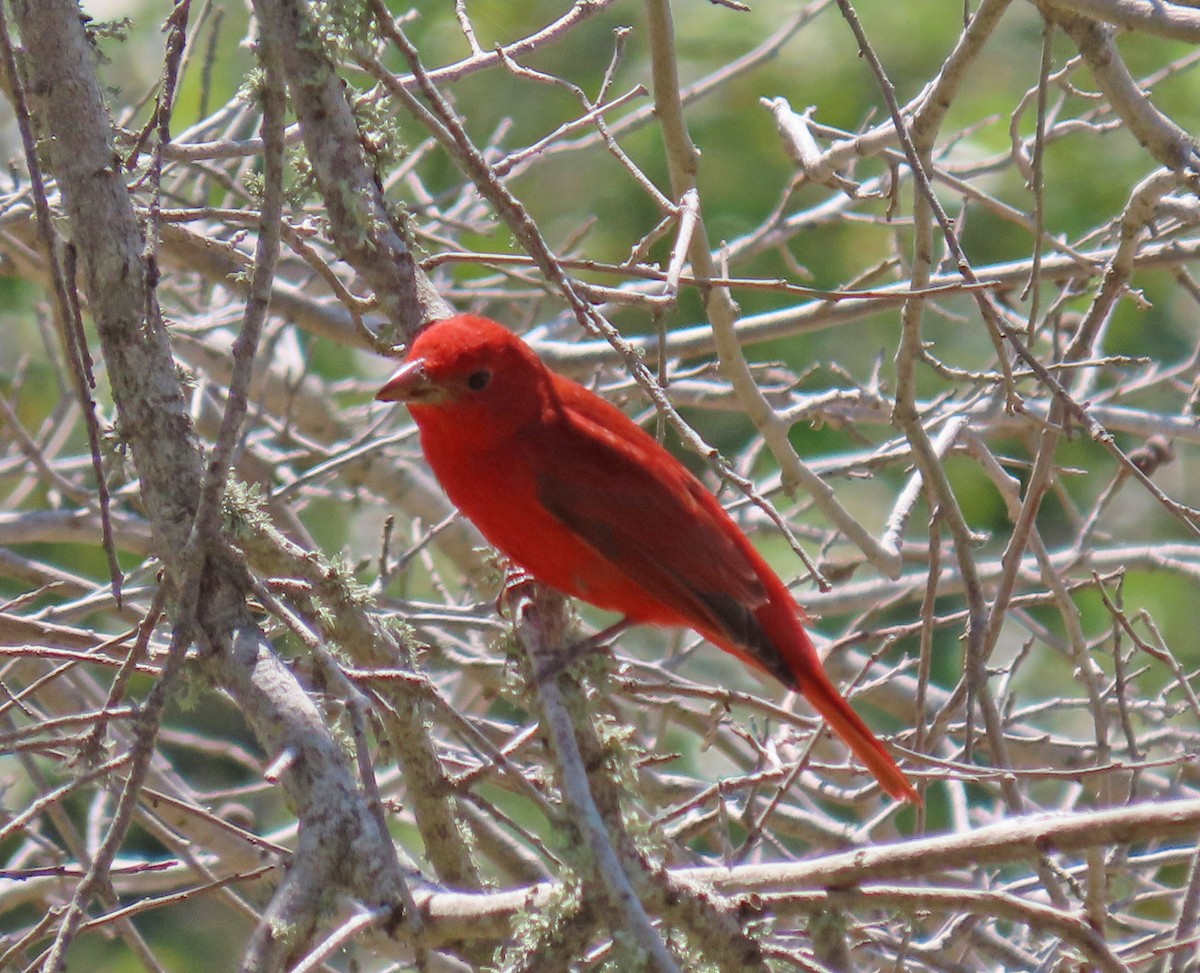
573	491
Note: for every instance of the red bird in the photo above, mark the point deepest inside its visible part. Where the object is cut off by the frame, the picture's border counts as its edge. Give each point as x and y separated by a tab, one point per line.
573	491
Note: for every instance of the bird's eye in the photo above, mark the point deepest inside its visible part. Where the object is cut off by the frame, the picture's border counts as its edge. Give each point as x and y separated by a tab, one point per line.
478	381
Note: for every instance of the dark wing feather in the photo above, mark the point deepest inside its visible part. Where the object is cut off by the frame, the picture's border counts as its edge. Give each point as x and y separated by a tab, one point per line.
620	491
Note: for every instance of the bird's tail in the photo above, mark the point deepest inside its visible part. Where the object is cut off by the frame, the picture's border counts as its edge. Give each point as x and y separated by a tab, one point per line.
797	657
771	636
848	725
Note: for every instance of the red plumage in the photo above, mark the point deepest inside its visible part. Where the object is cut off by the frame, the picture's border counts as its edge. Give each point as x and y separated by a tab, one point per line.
573	491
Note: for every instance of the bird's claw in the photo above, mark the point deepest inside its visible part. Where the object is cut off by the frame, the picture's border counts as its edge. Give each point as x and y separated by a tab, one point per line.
515	578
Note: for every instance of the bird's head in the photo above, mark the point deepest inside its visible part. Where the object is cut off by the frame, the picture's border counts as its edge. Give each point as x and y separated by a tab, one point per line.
469	367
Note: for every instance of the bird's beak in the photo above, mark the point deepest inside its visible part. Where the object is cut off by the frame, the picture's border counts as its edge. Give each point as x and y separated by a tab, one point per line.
411	384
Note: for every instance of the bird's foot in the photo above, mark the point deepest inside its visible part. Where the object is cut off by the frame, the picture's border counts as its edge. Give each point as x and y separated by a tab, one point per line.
515	578
516	583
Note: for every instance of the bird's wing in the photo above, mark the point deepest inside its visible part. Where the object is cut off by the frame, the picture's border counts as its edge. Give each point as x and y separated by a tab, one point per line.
619	490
